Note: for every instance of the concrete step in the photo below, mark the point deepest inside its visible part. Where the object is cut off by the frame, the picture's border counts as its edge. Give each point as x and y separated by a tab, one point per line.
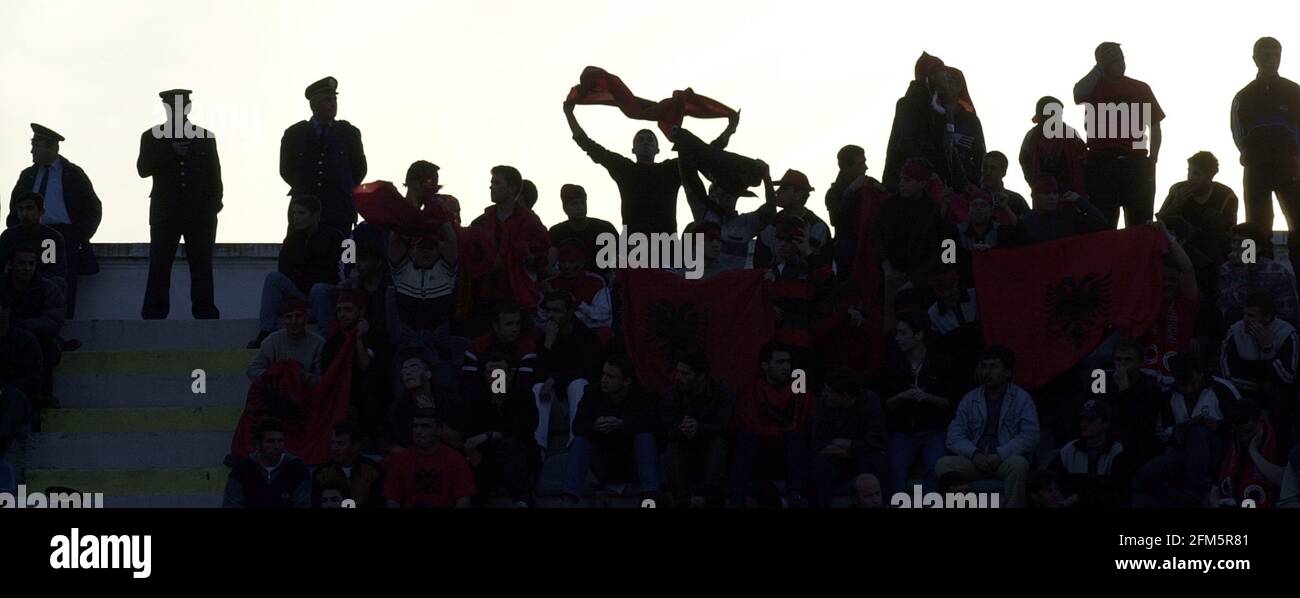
131	450
116	484
149	390
182	361
147	419
137	335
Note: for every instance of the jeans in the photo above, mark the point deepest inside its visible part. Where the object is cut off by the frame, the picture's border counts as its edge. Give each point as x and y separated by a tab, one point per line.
905	447
277	288
752	455
1261	182
572	393
1122	180
686	462
610	461
200	237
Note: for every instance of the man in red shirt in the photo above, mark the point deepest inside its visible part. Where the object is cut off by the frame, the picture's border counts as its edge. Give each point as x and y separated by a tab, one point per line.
428	474
1120	172
772	424
517	247
1054	148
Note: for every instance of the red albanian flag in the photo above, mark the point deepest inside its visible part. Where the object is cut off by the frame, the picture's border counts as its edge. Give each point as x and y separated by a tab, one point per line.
596	86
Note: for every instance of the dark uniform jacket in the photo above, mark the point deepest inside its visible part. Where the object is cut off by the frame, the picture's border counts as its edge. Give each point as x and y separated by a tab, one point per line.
186	187
328	166
84	209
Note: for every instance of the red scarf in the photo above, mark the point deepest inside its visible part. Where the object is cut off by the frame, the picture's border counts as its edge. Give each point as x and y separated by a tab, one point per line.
382	205
310	413
523	238
1240	479
596	86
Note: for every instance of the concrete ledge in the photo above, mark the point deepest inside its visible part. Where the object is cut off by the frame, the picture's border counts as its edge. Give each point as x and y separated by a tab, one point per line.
149	390
134	482
145	335
133	450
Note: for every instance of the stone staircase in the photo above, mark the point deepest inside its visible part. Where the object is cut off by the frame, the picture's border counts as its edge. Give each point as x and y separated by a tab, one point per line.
131	425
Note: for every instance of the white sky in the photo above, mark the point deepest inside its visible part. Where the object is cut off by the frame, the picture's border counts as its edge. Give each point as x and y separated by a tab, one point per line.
468	85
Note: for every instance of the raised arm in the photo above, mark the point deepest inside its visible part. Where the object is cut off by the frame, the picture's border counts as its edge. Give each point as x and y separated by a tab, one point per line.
725	138
1084	88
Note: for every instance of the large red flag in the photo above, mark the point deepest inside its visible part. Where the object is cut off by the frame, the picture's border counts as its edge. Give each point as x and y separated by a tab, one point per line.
1054	303
597	86
381	204
729	316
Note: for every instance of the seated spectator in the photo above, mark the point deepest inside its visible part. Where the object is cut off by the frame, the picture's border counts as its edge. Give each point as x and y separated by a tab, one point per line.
370	392
1044	491
866	492
981	231
1134	398
1058	215
36	306
430	474
420	391
696	416
1289	496
614	434
848	437
594	307
1248	471
331	495
293	342
791	196
993	172
1259	356
772	426
360	478
919	385
1175	330
1238	277
1210	208
509	336
269	477
580	227
995	429
20	376
499	443
569	358
29	208
1191	425
955	316
308	268
1097	471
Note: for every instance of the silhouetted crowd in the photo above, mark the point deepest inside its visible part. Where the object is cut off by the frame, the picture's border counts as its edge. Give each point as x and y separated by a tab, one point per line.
455	365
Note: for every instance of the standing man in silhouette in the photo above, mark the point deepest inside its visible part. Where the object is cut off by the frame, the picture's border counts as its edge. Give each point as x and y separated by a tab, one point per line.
1120	172
71	206
184	202
1266	129
324	157
648	189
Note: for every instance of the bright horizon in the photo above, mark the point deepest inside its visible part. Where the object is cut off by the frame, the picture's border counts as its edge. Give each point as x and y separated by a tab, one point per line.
469	86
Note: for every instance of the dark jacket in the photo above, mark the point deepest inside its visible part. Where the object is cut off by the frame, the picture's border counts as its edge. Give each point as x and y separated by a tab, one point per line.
13	237
1266	122
84	209
938	376
184	188
917	132
516	416
712	408
328	166
288	485
39	309
311	260
862	421
578	355
20	362
637	411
